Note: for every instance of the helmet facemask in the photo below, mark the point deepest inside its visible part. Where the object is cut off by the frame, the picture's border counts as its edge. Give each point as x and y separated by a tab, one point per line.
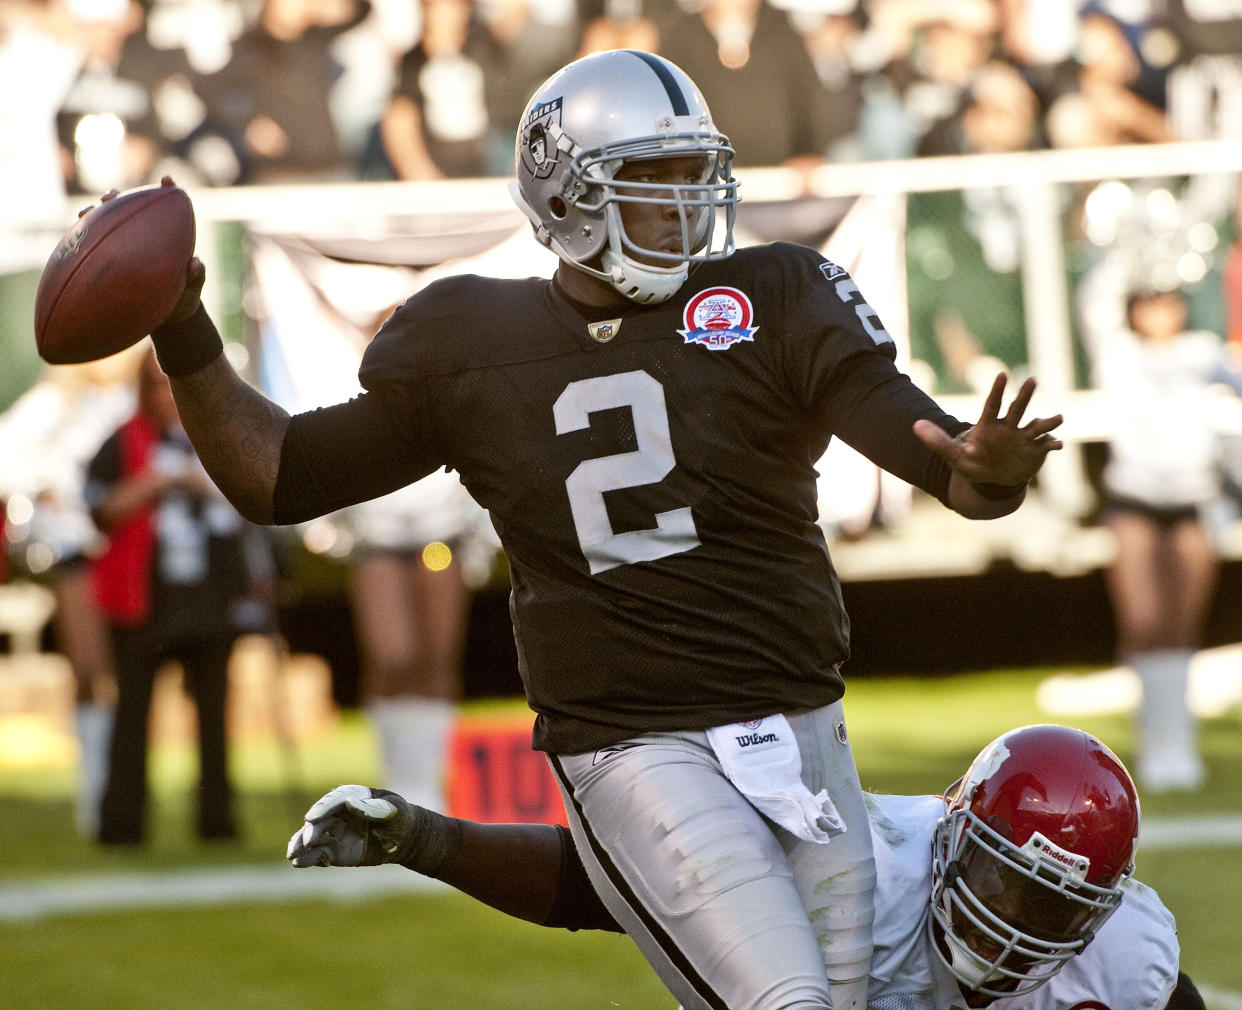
1009	917
705	208
603	112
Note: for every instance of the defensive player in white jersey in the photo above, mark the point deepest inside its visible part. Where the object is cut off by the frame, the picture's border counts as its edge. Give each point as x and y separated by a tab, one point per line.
1024	866
643	429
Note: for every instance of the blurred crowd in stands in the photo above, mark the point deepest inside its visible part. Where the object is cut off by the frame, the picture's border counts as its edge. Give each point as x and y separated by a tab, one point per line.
97	94
224	92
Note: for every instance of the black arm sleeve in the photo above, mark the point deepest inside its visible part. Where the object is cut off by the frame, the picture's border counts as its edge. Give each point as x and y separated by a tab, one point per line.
874	412
1185	996
577	906
344	454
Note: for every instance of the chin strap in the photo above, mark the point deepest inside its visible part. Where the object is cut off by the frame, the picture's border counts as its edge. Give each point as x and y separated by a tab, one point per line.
968	967
641	284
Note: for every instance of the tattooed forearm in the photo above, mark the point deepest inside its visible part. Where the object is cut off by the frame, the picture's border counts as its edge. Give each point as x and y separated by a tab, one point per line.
237	433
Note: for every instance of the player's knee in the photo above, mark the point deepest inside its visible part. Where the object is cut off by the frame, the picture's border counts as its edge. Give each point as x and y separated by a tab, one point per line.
850	993
801	1004
721	848
844	920
795	994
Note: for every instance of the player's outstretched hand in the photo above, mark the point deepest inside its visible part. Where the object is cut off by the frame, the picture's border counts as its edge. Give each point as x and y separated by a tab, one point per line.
354	826
997	449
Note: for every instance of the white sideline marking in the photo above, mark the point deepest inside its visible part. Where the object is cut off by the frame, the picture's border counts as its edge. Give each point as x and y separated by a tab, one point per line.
1191	832
50	897
58	897
1220	999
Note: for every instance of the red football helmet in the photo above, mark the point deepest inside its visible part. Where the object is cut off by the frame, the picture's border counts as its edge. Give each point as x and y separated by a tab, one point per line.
1030	856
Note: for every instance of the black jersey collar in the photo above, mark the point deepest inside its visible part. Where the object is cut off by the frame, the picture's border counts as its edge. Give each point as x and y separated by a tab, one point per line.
593	313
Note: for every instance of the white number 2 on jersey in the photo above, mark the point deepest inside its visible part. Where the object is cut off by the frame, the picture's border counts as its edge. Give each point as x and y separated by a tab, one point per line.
848	292
674	531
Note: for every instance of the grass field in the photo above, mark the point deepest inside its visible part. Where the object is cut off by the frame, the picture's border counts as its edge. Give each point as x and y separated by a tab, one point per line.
436	949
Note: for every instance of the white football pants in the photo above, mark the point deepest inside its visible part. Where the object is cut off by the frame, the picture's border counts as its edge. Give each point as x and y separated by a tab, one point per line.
731	911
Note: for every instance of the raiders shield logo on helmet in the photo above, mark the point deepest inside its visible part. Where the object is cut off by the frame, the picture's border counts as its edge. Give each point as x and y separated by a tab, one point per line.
538	147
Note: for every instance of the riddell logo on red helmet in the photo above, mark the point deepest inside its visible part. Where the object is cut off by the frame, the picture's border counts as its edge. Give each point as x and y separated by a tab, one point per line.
1039	848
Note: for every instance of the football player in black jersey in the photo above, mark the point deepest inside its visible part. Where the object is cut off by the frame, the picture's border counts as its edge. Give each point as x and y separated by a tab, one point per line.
643	430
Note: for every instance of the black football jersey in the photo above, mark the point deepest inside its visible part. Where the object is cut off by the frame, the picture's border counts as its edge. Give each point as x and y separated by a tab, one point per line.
651	477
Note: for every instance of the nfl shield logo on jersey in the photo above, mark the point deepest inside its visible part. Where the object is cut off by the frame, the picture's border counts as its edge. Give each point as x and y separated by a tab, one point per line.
718	318
604	331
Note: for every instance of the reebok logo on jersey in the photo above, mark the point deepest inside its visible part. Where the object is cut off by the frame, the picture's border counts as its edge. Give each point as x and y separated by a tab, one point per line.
718	318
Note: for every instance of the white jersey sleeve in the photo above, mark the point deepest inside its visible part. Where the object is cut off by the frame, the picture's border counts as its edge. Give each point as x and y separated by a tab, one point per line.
1131	964
905	973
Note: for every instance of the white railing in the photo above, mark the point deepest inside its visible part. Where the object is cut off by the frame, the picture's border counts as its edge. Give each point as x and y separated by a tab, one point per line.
367	209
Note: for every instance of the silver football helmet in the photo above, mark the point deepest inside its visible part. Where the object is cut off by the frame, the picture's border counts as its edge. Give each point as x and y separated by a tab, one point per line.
587	120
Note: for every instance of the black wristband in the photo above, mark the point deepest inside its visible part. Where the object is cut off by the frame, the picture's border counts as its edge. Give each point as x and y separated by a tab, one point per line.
432	840
998	492
187	345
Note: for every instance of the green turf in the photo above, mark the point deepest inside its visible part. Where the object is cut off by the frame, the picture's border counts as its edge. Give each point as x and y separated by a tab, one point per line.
440	950
275	786
420	953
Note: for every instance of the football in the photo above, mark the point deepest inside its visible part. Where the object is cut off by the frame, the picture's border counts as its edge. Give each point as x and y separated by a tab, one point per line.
115	275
